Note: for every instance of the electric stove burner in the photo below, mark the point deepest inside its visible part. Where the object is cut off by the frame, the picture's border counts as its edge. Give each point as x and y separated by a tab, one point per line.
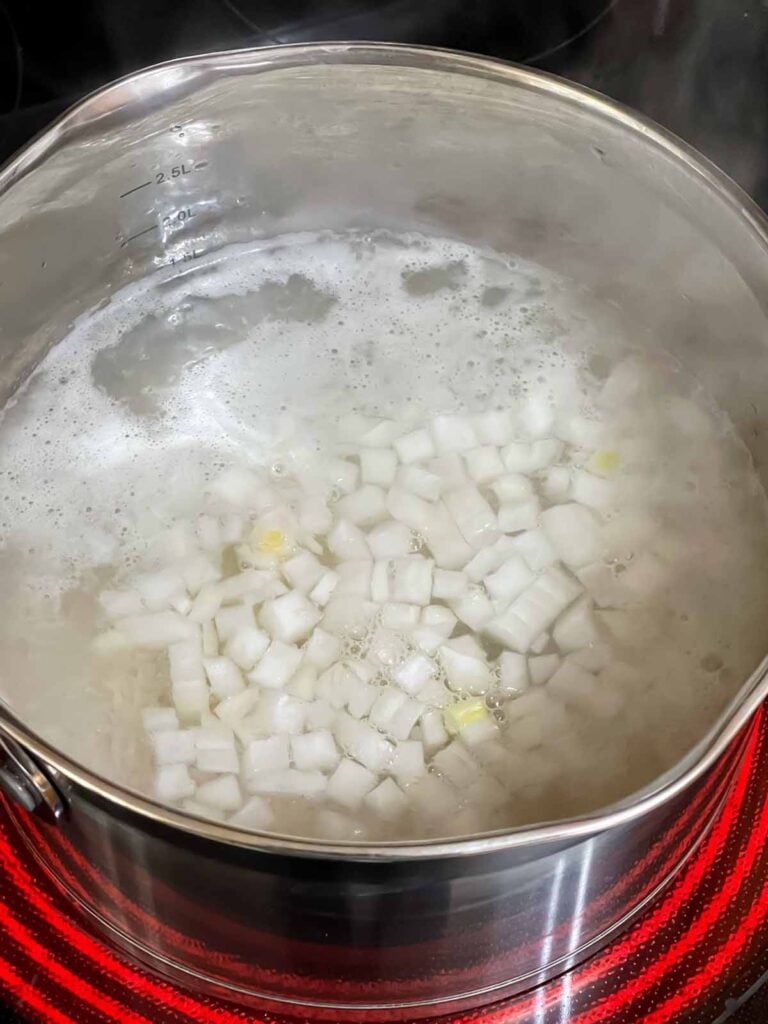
699	955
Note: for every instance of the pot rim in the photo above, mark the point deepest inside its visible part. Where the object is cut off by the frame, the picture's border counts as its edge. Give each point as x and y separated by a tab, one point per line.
186	70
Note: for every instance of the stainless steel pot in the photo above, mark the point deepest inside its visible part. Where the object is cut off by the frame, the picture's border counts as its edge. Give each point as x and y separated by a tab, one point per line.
174	162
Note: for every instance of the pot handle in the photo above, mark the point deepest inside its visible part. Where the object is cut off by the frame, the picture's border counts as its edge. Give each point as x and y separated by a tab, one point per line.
27	784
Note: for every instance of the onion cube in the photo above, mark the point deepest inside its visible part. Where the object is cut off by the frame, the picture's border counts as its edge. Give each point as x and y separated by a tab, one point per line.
515	518
593	491
512	488
335	825
303	571
206	603
530	456
488	559
224	677
387	801
433	733
534	610
426	639
319	715
291	617
342	475
474	608
119	604
222	794
414	672
438	618
414	447
156	629
413	580
481	730
378	466
233	709
333	685
217	761
173	746
536	417
159	719
408	761
540	644
447	583
455	763
246	646
190	698
536	549
256	813
400	617
347	541
197	571
322	649
381	581
277	665
576	627
464	671
364	507
420	482
472	514
513	672
303	683
315	751
230	620
350	783
279	713
313	515
404	719
451	469
173	782
494	427
384	708
580	431
594	658
348	616
239	488
390	540
543	667
453	433
580	689
371	749
268	755
380	434
484	464
210	639
574	532
509	580
556	483
324	589
213	735
359	696
185	660
433	798
158	590
290	782
434	522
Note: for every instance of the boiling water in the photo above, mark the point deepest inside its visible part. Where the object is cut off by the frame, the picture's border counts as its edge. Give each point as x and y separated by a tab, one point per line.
126	421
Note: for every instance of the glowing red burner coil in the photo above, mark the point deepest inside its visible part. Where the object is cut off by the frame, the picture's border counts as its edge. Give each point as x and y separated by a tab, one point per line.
703	941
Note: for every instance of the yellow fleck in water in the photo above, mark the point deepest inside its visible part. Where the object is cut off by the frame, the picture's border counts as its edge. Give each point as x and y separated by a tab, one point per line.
605	461
464	713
